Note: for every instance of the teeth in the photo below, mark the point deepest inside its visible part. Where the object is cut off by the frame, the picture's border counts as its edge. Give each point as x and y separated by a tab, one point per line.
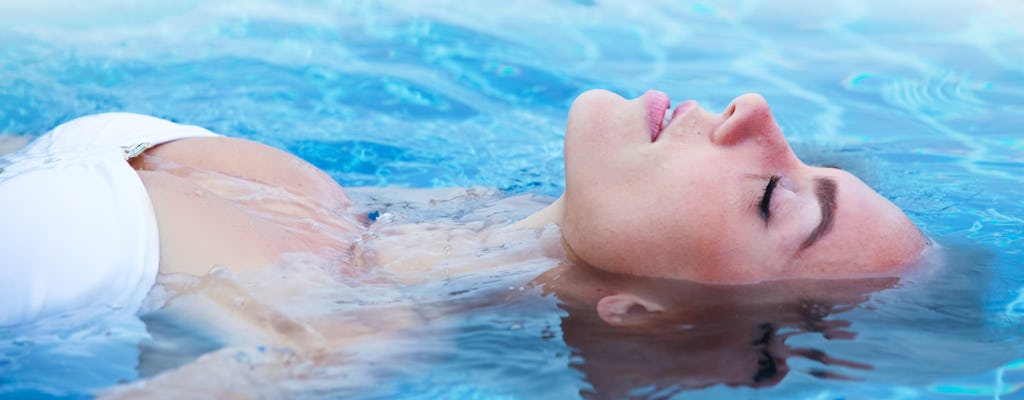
668	117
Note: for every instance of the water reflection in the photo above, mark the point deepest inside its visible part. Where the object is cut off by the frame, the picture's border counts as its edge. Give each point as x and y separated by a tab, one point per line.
651	337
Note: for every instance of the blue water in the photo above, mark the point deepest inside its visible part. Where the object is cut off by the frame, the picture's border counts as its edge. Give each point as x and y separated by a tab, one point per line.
924	101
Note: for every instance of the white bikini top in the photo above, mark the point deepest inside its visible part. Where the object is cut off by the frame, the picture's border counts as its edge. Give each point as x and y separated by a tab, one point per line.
77	228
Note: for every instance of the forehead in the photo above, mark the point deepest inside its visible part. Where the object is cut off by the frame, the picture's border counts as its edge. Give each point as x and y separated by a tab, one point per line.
869	233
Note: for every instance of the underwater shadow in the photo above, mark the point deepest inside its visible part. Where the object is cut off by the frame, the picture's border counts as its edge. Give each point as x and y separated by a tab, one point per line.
687	336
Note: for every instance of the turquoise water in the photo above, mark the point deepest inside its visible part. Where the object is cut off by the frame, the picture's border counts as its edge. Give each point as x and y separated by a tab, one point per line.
926	103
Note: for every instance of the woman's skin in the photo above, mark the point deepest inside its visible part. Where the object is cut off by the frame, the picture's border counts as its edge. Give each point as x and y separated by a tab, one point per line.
686	200
689	200
242	205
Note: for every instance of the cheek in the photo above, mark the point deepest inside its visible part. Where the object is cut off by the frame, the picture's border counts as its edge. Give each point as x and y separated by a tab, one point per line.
643	230
617	230
601	125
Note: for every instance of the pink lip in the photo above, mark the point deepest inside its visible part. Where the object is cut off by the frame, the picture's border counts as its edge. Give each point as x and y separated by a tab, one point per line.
682	108
658	104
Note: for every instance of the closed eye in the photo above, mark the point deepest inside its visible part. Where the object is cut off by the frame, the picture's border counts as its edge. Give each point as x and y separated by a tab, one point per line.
766	199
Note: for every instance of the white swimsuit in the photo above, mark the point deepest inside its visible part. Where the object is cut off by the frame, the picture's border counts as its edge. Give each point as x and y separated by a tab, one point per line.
77	228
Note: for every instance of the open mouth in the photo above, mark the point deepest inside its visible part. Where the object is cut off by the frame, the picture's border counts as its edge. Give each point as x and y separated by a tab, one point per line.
658	117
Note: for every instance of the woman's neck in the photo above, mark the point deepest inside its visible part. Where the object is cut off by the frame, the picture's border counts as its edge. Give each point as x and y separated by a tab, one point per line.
552	214
415	252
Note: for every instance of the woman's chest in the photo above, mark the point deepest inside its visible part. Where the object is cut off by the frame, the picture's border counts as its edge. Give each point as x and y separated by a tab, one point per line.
241	205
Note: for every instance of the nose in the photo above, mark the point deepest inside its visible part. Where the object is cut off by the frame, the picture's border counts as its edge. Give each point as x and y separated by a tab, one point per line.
748	117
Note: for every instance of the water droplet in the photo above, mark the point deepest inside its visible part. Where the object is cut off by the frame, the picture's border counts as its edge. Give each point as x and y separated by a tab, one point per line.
220	271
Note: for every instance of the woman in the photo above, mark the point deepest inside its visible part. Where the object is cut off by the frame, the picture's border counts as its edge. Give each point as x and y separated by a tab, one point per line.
105	208
91	211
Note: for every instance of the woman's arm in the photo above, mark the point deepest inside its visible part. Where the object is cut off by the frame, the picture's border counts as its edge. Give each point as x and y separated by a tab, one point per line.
265	342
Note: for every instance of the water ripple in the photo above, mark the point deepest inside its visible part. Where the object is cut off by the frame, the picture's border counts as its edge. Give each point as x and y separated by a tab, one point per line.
943	95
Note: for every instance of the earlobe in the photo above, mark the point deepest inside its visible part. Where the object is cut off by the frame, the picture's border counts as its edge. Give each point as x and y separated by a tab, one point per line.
626	309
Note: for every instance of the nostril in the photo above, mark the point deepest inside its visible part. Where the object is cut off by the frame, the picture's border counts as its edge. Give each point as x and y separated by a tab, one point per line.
729	111
748	116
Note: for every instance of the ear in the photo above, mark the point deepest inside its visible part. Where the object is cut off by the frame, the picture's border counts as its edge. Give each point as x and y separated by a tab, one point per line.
626	309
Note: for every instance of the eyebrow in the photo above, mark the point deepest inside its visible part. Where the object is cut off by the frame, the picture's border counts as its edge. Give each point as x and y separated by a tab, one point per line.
825	191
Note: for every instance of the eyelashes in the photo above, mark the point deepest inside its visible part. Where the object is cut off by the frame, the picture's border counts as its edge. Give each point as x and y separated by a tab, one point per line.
764	204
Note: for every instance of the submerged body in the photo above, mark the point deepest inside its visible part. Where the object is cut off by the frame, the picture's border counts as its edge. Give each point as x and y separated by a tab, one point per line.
678	201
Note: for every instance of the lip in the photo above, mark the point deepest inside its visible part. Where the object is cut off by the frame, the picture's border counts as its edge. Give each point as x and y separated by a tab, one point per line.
679	112
682	108
657	104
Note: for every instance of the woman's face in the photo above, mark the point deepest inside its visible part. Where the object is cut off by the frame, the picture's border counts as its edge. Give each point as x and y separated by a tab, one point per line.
716	197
